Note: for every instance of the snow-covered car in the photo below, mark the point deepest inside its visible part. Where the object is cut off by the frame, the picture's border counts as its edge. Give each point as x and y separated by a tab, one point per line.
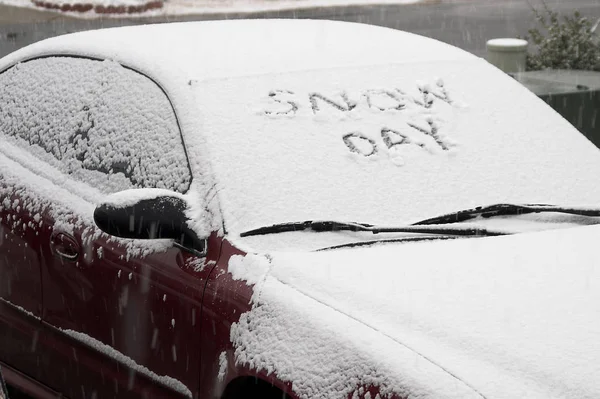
302	209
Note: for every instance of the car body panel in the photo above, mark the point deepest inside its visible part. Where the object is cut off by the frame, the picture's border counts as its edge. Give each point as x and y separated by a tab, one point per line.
156	298
22	285
121	314
515	311
21	258
26	384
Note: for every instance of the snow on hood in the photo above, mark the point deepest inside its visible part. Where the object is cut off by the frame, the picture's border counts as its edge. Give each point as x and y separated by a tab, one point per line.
501	317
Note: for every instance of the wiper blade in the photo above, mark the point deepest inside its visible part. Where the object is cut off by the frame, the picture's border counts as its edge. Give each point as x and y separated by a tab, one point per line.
436	225
387	241
323	225
328	225
505	210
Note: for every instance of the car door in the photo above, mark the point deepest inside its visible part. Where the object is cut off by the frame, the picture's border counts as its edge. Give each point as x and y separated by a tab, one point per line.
20	273
121	317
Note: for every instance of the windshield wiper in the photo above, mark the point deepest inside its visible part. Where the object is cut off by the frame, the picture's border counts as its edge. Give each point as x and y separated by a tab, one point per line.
504	210
329	225
435	225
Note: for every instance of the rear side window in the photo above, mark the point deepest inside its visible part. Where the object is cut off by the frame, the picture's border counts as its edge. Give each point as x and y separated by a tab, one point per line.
101	123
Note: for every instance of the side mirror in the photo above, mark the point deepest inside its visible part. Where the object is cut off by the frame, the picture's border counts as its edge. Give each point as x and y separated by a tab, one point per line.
147	214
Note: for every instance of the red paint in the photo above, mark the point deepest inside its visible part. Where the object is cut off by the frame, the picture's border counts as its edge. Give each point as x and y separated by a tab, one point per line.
157	310
27	385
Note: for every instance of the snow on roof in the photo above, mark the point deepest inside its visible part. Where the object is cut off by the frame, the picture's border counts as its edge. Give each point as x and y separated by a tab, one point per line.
202	50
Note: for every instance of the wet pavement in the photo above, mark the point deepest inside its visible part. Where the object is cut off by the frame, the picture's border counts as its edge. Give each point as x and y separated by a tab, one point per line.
467	24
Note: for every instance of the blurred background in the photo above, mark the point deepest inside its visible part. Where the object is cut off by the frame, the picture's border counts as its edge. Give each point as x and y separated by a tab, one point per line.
467	24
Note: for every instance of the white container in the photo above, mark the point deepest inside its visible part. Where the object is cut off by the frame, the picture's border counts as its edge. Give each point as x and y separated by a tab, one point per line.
509	55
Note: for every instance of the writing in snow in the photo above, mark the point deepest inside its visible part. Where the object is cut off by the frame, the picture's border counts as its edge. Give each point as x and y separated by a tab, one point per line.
422	131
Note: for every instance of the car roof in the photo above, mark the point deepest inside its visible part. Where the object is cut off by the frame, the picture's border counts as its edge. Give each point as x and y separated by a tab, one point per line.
244	47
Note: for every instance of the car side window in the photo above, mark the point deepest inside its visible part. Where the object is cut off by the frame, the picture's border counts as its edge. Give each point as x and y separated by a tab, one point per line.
97	121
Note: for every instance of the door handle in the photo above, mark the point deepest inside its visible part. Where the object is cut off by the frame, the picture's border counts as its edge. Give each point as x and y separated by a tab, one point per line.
64	246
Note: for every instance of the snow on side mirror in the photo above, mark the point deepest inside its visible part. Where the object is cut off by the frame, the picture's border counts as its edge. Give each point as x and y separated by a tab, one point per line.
147	214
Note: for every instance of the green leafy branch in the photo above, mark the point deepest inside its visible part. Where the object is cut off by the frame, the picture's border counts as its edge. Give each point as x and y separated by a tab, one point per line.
562	43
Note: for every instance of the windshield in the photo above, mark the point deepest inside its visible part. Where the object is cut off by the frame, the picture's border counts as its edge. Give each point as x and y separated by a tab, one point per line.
387	145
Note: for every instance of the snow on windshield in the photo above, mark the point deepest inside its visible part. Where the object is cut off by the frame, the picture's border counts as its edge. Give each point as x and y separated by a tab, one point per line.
386	145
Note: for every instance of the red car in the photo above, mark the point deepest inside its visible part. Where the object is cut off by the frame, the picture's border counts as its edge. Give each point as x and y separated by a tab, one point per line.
302	209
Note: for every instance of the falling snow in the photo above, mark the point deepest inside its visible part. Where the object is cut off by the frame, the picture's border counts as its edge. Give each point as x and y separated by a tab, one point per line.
383	136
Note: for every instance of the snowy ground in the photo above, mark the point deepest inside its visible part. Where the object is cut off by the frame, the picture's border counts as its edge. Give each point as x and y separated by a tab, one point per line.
178	7
194	7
